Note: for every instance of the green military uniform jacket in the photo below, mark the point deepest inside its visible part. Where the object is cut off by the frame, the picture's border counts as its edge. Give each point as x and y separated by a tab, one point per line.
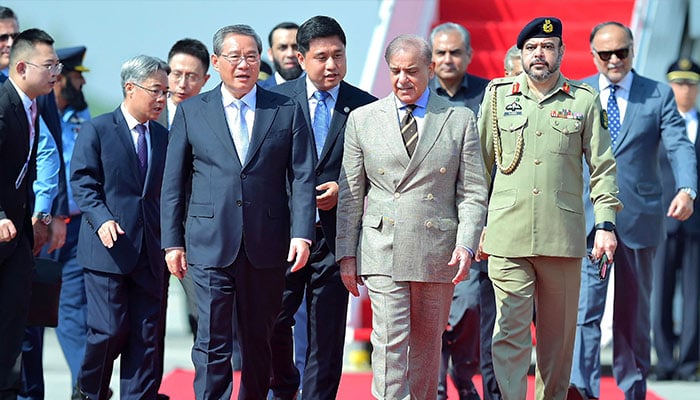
536	205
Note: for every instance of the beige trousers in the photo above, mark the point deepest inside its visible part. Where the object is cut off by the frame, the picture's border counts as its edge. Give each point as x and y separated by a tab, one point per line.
551	285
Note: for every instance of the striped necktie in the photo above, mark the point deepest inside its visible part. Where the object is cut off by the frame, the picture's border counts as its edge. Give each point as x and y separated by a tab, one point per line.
409	130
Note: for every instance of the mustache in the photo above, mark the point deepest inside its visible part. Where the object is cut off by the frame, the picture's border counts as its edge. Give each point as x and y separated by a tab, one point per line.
539	60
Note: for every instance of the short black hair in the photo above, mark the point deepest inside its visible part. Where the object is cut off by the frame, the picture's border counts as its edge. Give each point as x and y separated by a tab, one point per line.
318	27
192	47
281	25
7	13
26	41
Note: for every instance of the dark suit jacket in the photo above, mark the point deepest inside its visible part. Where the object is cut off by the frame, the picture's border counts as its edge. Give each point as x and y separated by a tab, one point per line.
230	202
470	94
107	185
651	120
16	204
268	83
328	165
690	226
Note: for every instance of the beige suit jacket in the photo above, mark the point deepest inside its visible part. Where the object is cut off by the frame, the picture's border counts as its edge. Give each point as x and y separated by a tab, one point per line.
419	208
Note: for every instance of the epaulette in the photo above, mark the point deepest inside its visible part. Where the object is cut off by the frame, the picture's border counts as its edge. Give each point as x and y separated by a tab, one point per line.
506	80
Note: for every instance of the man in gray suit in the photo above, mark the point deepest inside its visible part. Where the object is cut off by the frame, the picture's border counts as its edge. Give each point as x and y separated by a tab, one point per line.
642	116
417	159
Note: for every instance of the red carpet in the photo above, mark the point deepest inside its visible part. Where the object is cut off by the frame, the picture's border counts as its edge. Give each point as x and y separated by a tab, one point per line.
356	386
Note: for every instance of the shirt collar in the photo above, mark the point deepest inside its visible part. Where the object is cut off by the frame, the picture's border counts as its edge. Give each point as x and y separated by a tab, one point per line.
249	99
311	89
422	101
625	83
26	101
131	122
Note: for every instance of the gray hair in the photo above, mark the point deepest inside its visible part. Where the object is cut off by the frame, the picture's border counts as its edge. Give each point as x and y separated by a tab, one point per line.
512	55
416	42
240	29
451	26
140	68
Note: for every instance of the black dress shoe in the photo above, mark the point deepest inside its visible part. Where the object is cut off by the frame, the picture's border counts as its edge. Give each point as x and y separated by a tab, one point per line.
688	378
575	393
661	376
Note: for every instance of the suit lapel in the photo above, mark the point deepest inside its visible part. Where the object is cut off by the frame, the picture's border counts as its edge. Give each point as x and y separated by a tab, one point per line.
265	112
435	116
124	135
20	115
340	115
388	118
215	116
633	105
159	144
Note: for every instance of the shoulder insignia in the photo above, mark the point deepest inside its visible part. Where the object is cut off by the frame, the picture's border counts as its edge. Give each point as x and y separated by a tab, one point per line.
566	88
604	119
515	88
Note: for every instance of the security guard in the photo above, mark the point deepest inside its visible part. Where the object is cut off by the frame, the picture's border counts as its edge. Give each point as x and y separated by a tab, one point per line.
537	129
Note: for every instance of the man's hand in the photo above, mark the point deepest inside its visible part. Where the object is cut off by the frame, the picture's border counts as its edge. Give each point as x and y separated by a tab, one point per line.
348	273
57	234
329	198
461	257
109	232
299	253
7	230
681	207
605	242
480	253
41	234
177	262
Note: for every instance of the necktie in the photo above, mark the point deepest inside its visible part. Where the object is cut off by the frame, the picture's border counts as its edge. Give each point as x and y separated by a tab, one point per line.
142	150
613	115
409	130
241	138
321	121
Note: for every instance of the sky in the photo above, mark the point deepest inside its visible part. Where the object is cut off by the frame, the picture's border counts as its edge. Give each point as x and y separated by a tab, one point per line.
114	31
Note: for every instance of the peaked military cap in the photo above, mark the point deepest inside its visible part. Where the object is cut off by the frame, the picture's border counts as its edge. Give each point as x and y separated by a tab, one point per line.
684	70
72	58
539	28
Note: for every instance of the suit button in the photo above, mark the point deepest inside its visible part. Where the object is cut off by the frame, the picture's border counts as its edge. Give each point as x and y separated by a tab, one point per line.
397	195
391	221
443	170
243	176
538	133
538	162
380	171
535	191
239	203
429	224
429	196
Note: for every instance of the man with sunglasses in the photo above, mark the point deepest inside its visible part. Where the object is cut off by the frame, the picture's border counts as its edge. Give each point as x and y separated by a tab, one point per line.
642	116
116	176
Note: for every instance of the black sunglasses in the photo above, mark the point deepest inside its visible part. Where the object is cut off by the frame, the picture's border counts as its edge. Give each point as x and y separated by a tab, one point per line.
621	54
6	36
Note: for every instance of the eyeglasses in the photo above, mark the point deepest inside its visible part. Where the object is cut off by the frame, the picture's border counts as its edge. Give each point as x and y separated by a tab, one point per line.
6	36
155	93
235	60
621	54
190	77
53	69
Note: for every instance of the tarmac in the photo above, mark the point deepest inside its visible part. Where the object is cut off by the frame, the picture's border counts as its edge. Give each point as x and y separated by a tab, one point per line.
178	343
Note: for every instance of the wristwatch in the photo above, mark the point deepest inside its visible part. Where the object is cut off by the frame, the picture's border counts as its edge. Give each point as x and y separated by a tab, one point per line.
690	192
606	226
44	218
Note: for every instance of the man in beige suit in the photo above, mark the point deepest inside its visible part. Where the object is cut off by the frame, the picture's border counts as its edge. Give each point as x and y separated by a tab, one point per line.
417	159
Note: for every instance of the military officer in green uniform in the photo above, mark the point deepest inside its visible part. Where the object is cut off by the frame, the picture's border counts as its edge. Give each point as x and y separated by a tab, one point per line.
538	128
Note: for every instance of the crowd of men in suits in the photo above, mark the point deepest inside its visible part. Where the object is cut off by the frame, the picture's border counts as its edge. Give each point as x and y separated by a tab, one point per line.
272	200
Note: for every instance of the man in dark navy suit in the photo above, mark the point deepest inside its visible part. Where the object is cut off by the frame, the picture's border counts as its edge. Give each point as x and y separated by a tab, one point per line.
116	176
33	67
678	258
237	148
322	55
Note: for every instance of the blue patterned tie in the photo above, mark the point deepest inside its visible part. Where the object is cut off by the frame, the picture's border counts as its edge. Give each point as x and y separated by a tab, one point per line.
321	121
142	150
613	115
